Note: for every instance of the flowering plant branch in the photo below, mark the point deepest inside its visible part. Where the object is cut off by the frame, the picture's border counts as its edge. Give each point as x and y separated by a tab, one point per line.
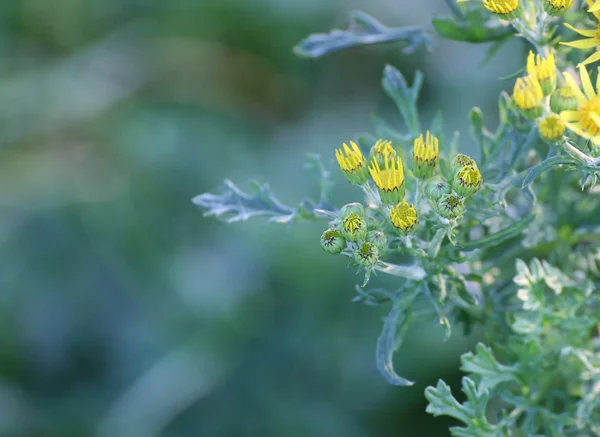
507	242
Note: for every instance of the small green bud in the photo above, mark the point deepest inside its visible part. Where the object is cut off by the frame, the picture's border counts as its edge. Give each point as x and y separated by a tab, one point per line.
437	189
332	241
354	227
563	99
366	254
380	151
461	160
467	180
351	208
378	238
451	206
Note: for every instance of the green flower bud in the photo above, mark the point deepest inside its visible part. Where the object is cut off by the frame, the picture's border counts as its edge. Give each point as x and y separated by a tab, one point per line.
350	208
366	254
451	206
380	151
354	227
378	238
461	160
437	189
426	153
563	99
332	241
467	180
557	7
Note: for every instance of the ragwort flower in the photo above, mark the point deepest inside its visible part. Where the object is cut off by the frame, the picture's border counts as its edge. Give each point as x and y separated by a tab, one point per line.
381	150
354	227
404	216
585	121
551	128
544	70
557	7
353	163
505	9
592	36
467	181
528	96
425	156
390	180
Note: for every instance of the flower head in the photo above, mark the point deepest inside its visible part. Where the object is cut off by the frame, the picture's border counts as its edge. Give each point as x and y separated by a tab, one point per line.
528	96
544	70
378	238
461	160
332	241
437	189
390	180
563	99
591	40
505	9
353	163
451	206
425	156
557	7
467	180
403	216
350	208
366	254
381	150
585	121
551	128
354	227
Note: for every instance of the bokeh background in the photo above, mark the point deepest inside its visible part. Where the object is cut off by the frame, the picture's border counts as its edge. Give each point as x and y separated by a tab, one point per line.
124	312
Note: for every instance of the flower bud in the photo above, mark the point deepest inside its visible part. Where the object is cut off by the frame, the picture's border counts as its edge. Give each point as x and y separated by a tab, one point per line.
390	180
467	181
350	208
528	96
563	99
354	227
380	151
451	206
332	241
437	189
353	164
461	160
557	7
551	128
366	254
505	9
544	70
425	156
404	217
378	238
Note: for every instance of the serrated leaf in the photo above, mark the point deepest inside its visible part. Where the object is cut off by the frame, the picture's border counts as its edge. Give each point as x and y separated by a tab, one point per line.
483	364
443	403
363	29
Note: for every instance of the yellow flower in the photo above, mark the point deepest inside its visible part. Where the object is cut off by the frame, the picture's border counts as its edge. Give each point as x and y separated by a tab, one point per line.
585	121
467	181
551	128
354	227
353	164
544	70
557	7
403	216
528	96
505	9
390	180
592	36
594	8
461	160
425	155
381	150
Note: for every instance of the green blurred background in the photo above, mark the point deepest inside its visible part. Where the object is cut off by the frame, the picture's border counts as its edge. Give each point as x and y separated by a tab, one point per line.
125	312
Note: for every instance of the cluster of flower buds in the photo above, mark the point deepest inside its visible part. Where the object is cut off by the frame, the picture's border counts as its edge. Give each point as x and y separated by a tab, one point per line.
360	235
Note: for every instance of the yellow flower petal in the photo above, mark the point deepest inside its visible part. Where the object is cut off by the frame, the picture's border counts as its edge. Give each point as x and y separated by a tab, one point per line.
586	83
589	43
583	32
569	116
580	97
591	59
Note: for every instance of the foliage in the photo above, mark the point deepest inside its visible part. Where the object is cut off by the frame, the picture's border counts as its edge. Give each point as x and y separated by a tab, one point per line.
516	255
